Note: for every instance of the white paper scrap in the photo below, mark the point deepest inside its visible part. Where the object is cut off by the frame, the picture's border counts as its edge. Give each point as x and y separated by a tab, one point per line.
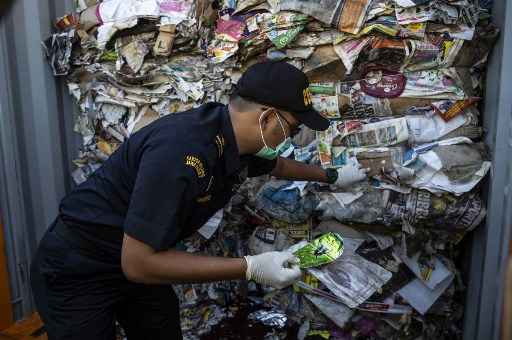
211	226
438	276
420	297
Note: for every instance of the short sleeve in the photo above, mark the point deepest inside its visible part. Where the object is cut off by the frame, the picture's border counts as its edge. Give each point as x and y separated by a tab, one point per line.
163	185
258	166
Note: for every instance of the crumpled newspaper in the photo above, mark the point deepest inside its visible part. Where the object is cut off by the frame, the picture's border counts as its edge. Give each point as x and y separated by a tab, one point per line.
58	50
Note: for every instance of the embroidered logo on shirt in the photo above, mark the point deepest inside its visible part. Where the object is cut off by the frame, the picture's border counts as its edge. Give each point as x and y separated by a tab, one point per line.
197	164
204	199
307	97
220	143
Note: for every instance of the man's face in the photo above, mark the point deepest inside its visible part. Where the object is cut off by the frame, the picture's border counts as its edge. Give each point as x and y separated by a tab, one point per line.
277	125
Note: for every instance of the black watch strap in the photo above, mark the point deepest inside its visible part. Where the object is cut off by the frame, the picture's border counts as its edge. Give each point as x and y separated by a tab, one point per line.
332	175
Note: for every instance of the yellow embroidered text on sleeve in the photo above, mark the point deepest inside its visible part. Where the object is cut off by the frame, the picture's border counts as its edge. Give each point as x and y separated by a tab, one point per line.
307	97
197	164
220	143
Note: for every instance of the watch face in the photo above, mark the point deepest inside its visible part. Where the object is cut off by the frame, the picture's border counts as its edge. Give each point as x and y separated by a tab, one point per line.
332	175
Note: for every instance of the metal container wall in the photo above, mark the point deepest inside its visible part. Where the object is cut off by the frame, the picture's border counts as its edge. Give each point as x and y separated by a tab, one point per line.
489	243
37	145
36	138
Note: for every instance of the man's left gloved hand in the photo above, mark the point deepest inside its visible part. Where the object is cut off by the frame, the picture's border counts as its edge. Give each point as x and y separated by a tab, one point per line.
350	173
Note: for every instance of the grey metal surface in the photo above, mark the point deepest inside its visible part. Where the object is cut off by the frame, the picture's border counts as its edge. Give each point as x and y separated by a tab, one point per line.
11	203
36	139
490	243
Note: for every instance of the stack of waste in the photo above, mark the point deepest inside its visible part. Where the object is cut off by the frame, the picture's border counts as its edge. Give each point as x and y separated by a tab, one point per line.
401	82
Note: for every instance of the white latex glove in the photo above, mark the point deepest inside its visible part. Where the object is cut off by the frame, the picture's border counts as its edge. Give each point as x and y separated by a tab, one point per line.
350	173
278	269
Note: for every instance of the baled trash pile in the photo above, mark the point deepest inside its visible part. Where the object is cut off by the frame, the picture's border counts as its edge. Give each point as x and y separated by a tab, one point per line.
401	82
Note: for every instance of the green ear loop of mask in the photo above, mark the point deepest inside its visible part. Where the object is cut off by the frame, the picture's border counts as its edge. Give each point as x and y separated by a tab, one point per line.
267	152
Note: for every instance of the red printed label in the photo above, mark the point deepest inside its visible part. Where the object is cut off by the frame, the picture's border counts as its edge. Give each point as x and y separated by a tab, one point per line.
381	84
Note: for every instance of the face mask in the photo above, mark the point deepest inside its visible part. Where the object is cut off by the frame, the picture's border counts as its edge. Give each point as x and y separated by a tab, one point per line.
268	152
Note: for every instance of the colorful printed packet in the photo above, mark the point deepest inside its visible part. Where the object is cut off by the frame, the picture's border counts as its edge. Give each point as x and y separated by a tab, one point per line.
322	250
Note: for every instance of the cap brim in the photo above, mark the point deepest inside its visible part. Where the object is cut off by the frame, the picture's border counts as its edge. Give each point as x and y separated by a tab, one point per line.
312	119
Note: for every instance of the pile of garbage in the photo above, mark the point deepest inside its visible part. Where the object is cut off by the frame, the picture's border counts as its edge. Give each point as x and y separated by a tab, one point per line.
401	82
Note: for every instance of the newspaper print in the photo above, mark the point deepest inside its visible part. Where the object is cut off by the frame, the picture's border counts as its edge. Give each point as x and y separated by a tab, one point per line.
434	84
347	15
423	208
354	133
353	16
327	106
322	10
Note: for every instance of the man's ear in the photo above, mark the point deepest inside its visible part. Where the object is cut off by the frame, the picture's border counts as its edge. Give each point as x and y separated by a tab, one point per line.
266	116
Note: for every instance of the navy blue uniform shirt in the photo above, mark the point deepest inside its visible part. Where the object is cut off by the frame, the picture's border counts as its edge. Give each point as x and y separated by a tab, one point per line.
164	182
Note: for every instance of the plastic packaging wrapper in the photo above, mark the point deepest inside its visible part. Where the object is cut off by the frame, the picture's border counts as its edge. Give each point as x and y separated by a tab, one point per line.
338	313
446	12
283	28
454	168
133	53
284	203
269	318
410	55
347	16
322	250
352	278
410	3
418	208
401	82
223	47
373	97
58	50
367	209
335	147
115	15
426	165
266	239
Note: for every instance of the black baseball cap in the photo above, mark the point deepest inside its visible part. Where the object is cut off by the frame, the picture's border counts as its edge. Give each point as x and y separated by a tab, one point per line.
283	86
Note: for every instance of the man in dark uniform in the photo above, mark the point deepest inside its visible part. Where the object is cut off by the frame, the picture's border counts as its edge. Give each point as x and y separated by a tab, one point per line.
109	255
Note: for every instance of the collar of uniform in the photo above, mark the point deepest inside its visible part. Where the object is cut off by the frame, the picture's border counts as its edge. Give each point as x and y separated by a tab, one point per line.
231	153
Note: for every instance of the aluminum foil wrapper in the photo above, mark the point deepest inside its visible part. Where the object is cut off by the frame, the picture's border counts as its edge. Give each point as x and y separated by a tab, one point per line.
272	318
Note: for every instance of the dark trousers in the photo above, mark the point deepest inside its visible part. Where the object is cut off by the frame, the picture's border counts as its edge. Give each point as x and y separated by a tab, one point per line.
80	297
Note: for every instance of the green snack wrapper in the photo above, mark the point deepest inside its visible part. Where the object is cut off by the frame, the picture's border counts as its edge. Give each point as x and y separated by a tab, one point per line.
321	250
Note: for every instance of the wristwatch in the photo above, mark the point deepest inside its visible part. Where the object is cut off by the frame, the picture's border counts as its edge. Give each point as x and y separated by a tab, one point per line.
332	175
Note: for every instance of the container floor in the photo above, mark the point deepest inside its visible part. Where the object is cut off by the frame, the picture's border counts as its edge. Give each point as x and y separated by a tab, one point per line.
31	328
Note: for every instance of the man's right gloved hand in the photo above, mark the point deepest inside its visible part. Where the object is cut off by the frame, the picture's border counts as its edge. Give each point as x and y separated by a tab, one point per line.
278	269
